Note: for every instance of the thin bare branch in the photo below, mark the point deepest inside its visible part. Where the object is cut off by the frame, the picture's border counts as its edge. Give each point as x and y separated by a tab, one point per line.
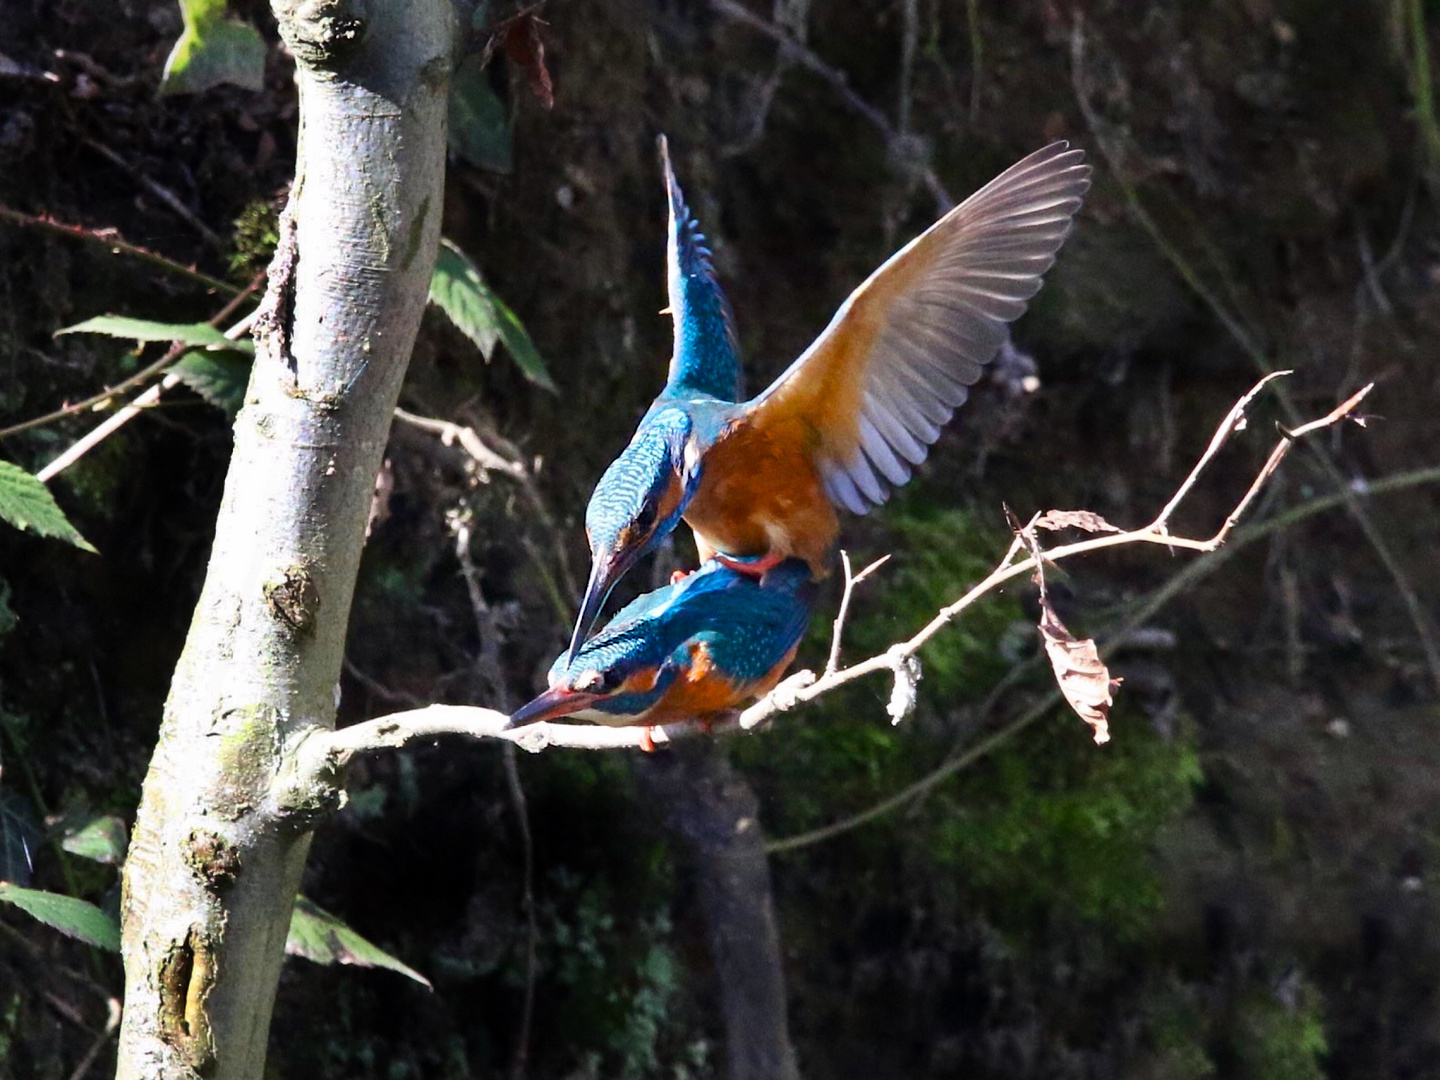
851	580
1234	421
1425	629
472	721
112	1025
118	245
161	192
176	350
492	460
323	751
1155	533
807	58
123	416
1178	583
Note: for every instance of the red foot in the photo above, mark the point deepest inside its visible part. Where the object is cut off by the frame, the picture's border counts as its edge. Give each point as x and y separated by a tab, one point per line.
756	568
647	740
677	576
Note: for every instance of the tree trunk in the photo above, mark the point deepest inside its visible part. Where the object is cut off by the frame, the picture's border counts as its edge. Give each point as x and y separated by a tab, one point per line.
714	812
216	858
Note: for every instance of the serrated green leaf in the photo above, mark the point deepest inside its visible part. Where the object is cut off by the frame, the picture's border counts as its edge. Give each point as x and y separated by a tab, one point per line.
70	916
213	50
521	349
27	504
103	839
317	935
219	378
198	335
480	130
458	290
19	837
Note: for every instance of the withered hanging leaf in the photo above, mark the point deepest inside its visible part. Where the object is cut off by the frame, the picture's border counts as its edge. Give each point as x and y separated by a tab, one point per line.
1082	675
1089	521
526	50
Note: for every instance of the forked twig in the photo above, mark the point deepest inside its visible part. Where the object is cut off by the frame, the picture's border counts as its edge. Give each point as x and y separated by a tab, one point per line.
851	580
321	751
491	460
1425	630
1157	532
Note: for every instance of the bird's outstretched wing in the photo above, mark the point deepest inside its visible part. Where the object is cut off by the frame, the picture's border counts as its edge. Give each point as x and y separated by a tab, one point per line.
707	355
871	394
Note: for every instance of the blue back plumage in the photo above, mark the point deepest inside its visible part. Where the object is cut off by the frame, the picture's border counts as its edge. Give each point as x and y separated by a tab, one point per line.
747	626
707	353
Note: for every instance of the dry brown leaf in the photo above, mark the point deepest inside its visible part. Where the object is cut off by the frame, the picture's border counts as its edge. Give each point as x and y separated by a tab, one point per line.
1081	674
526	50
1087	520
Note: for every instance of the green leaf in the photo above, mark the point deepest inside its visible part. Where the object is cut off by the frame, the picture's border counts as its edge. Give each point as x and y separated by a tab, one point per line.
27	504
213	50
103	839
480	130
317	935
199	335
521	349
19	837
219	378
458	290
77	918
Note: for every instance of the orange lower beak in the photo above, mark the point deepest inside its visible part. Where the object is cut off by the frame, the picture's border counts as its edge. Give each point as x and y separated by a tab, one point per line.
551	705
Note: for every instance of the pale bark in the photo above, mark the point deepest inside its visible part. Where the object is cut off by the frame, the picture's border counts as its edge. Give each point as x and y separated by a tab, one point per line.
216	859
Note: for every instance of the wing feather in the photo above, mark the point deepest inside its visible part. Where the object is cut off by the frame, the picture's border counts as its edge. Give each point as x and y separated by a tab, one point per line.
898	357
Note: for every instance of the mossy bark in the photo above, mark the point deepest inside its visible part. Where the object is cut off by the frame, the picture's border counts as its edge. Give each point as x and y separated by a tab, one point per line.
216	860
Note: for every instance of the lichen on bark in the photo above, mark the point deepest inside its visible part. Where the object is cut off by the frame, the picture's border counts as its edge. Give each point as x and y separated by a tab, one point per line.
216	861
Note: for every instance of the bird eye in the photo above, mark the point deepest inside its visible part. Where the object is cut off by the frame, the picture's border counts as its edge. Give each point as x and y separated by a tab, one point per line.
590	682
596	681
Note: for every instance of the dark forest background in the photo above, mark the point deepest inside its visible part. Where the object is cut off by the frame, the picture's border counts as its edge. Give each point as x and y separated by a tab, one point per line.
1238	885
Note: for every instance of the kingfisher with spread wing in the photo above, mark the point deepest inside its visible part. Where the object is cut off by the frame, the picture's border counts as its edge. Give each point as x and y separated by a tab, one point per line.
694	650
760	481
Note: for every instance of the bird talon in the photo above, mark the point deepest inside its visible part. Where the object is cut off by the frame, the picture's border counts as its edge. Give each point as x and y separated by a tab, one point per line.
647	740
756	566
677	576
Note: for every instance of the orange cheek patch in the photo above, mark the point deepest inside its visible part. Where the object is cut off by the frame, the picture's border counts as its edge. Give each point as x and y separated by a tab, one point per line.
642	682
670	500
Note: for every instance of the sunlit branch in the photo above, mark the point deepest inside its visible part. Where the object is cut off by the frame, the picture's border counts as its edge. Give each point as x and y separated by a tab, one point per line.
324	752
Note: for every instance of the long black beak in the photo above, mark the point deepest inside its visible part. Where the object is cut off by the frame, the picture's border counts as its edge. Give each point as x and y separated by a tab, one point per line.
551	705
604	572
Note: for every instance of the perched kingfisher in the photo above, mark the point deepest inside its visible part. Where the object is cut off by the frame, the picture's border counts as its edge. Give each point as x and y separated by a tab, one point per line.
693	650
759	481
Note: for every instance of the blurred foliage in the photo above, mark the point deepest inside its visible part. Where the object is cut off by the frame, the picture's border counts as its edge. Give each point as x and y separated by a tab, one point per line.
1275	1039
480	131
842	755
458	290
1043	830
253	238
620	979
213	49
1011	922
